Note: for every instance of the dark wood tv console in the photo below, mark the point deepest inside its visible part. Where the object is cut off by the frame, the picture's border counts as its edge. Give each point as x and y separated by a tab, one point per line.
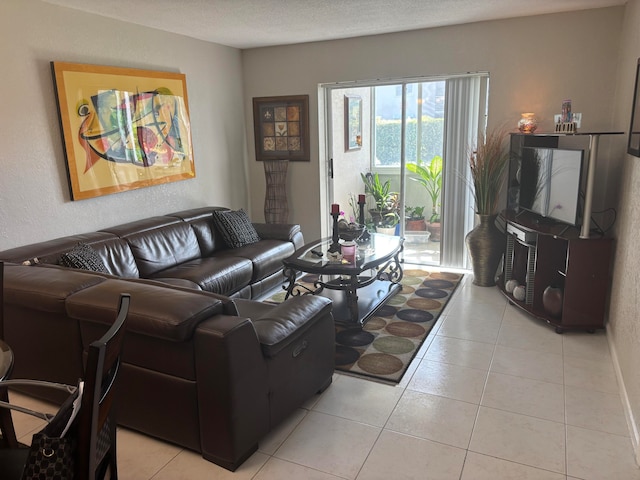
550	255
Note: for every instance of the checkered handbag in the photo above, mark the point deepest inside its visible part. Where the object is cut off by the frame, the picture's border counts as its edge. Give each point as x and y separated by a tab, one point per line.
52	451
50	458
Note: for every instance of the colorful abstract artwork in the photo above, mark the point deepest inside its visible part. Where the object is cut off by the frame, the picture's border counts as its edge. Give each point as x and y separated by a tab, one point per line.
281	127
122	128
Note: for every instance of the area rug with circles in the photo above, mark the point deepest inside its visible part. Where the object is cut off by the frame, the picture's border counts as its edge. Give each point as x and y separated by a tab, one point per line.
384	348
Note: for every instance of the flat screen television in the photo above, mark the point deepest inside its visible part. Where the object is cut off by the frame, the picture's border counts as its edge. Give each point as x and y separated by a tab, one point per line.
550	181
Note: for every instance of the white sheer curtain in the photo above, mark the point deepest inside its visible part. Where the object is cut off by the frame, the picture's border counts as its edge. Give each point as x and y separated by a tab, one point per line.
465	115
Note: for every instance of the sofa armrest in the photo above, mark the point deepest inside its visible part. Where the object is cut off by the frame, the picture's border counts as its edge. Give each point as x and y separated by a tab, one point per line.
277	231
233	390
283	324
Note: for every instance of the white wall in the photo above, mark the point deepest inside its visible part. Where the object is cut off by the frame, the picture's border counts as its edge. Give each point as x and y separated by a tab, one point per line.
534	63
624	313
347	165
35	202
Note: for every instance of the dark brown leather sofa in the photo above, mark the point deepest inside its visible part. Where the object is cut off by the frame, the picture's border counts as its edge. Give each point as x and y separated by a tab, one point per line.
204	366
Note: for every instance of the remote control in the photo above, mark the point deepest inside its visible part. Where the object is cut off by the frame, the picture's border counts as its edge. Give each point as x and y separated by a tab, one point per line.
317	253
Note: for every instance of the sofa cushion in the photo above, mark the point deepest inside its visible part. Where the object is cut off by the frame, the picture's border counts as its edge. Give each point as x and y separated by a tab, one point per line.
117	257
223	275
235	227
265	255
162	248
280	325
157	311
84	257
44	288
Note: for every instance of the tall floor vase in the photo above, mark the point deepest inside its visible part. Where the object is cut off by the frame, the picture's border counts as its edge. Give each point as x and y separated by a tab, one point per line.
276	208
485	244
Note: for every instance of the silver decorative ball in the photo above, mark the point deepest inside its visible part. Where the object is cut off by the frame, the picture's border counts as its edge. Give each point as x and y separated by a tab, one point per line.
510	285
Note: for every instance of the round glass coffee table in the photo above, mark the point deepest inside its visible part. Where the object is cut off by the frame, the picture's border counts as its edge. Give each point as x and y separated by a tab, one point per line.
357	288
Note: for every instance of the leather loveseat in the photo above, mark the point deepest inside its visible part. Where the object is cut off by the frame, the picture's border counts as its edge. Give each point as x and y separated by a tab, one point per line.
204	366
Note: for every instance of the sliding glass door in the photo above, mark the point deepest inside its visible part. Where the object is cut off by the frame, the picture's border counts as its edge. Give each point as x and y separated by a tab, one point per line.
408	140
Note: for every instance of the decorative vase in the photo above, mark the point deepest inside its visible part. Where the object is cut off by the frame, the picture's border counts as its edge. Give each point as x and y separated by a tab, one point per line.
528	123
276	207
552	301
486	245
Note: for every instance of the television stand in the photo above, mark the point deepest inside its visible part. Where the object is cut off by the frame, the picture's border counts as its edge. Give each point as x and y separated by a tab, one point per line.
574	271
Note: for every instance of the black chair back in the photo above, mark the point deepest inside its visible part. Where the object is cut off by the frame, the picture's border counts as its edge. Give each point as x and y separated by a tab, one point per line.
96	426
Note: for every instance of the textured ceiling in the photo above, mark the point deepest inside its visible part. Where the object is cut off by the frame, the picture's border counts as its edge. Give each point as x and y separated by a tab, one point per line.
258	23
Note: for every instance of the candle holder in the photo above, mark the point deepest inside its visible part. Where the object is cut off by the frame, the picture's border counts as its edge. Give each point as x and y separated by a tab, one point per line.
365	235
335	246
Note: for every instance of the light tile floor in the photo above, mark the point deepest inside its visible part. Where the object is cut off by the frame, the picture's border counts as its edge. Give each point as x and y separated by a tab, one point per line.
492	394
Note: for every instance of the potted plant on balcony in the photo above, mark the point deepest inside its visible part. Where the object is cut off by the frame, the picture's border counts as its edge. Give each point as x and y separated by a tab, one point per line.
388	223
430	177
488	161
414	219
386	201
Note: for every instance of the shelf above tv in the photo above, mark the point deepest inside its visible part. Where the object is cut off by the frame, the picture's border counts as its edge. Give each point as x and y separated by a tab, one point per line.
567	134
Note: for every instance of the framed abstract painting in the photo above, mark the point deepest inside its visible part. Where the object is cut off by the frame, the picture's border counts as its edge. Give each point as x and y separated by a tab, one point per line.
281	128
122	128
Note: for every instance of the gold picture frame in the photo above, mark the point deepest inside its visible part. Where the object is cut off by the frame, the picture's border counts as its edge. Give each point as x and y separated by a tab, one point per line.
352	122
122	128
281	128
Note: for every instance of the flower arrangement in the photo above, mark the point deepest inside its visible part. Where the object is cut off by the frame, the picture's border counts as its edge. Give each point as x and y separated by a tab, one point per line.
488	162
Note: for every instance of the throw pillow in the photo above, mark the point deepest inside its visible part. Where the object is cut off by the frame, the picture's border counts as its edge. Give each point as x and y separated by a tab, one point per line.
235	227
84	257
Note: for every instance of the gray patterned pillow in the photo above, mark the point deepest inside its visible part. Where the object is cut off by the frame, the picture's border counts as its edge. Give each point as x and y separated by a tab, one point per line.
84	257
235	227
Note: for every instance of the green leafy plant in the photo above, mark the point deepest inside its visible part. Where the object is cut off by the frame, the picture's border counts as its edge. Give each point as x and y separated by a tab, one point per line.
381	192
413	213
390	219
488	161
430	177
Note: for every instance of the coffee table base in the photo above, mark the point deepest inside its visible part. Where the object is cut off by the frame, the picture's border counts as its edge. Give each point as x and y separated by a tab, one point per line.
369	298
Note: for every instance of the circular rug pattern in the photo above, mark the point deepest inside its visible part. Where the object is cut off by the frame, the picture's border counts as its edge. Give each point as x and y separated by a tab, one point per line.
375	323
424	303
431	293
380	364
409	280
437	283
354	337
454	277
397	300
346	355
413	315
407	290
387	311
389	341
405	329
412	272
393	345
